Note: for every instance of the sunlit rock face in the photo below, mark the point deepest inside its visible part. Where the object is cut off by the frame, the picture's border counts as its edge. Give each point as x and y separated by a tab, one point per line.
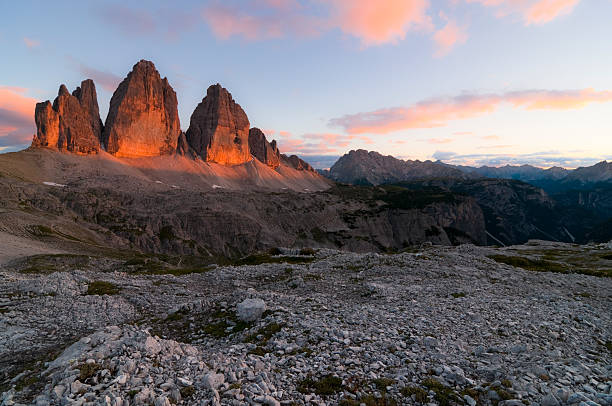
219	129
72	123
143	116
266	152
88	98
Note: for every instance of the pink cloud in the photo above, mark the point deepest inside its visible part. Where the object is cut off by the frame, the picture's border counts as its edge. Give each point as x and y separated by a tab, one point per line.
31	43
372	22
381	21
108	81
320	143
16	116
438	112
491	137
531	11
439	140
449	36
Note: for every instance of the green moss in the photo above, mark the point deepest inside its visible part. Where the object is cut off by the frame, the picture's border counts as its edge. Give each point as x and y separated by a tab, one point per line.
382	383
328	385
506	383
443	394
458	295
27	381
420	394
102	288
609	345
266	332
187	391
88	371
258	259
349	402
370	400
536	265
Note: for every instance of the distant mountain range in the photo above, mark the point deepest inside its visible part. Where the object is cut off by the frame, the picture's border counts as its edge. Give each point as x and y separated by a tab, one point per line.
518	202
360	167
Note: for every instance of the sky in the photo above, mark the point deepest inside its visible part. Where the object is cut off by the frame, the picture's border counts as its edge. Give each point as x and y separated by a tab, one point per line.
464	81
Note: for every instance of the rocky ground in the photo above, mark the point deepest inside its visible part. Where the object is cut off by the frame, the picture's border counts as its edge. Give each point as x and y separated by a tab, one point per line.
439	325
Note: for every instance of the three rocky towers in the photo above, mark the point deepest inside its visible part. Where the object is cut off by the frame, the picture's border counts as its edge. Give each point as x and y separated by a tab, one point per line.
143	121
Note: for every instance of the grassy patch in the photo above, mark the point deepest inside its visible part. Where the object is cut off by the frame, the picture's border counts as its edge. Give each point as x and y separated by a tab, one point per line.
328	385
442	394
382	383
266	332
187	391
420	394
87	371
536	265
385	400
102	288
457	295
258	259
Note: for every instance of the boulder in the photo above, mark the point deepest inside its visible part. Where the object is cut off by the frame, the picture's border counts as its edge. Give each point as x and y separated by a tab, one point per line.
219	129
250	310
143	116
68	125
266	152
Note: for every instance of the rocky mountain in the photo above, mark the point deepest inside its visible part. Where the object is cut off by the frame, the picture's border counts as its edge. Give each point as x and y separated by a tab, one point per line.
266	152
219	129
360	167
143	116
72	123
296	163
553	180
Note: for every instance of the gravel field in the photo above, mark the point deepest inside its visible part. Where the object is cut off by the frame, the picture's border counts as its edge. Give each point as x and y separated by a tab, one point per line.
440	325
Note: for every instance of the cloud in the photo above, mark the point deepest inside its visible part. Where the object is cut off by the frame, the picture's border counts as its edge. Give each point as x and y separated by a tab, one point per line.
531	11
319	143
448	37
127	20
108	81
438	112
31	43
490	137
543	159
439	140
382	21
167	21
16	116
372	22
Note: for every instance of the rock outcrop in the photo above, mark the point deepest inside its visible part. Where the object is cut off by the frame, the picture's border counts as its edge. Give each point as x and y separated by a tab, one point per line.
86	93
143	116
297	163
72	123
266	152
219	129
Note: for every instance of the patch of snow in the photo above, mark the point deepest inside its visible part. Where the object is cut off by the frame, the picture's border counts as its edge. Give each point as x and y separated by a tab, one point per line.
158	181
53	184
217	187
174	186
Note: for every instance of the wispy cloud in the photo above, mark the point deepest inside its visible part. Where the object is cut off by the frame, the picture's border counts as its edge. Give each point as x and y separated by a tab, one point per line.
543	159
531	11
449	36
371	22
31	43
439	112
16	116
318	143
107	80
168	22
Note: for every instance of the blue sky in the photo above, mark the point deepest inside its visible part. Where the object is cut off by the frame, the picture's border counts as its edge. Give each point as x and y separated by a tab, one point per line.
466	81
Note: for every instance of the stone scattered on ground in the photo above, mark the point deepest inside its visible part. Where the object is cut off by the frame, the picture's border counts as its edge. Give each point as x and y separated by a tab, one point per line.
442	325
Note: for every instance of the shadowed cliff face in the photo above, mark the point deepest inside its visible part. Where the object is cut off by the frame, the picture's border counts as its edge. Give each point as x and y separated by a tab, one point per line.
72	123
266	152
219	129
143	117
